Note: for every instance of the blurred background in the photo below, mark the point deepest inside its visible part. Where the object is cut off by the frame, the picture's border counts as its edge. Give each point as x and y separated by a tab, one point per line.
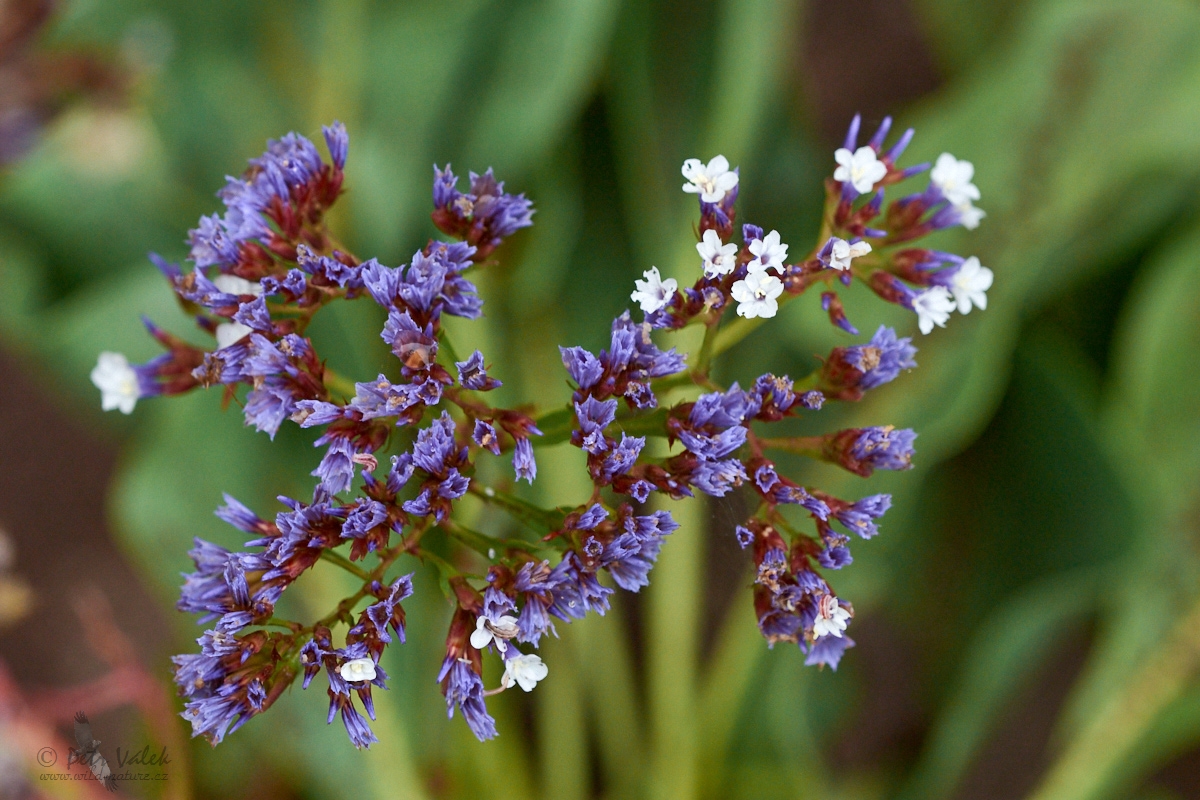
1028	623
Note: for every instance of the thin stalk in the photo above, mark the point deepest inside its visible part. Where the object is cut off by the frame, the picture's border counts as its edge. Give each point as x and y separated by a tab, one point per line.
811	446
341	385
345	563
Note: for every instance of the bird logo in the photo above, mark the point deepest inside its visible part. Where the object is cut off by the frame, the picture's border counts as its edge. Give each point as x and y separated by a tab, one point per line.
87	753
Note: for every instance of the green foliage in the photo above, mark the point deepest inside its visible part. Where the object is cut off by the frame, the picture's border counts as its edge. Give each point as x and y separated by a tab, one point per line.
1059	448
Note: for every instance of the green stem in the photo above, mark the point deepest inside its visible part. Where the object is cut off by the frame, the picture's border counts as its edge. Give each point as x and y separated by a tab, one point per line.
540	519
345	563
483	544
706	348
341	385
811	446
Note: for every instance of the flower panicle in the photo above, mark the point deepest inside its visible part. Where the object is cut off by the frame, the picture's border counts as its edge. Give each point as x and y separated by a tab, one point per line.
268	264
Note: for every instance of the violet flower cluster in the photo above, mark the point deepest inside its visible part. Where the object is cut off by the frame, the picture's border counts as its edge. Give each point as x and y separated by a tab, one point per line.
401	450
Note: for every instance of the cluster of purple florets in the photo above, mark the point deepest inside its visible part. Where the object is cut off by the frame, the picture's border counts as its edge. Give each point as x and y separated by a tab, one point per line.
268	264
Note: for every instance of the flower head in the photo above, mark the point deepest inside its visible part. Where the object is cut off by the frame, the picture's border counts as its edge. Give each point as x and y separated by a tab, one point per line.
831	618
525	671
711	181
862	169
653	293
117	381
952	178
498	632
357	670
933	307
719	259
968	282
756	295
769	253
842	252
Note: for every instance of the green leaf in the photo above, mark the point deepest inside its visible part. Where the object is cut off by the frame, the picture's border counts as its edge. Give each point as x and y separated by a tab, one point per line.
1005	653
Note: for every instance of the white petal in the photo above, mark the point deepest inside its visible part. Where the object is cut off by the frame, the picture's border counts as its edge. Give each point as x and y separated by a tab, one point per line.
718	165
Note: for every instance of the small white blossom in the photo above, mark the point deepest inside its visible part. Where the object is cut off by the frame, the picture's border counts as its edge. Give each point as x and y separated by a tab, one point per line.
486	632
357	669
117	382
756	295
769	252
862	168
970	284
969	216
525	671
933	307
719	259
953	178
232	284
228	333
653	293
711	181
842	252
831	619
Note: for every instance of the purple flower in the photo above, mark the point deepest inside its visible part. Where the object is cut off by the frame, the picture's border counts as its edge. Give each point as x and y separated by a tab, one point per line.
435	446
368	514
523	461
883	448
338	142
382	398
745	536
835	557
718	478
473	375
641	490
714	447
240	517
385	612
485	216
860	517
828	651
589	519
463	689
585	369
812	400
630	556
211	243
486	437
576	590
621	458
895	354
594	416
337	468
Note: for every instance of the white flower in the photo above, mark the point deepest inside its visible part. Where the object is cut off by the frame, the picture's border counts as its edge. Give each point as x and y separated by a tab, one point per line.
969	216
830	618
862	168
770	252
117	382
486	632
756	295
710	181
525	670
933	307
842	252
953	178
228	333
970	284
232	284
653	293
719	259
357	669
